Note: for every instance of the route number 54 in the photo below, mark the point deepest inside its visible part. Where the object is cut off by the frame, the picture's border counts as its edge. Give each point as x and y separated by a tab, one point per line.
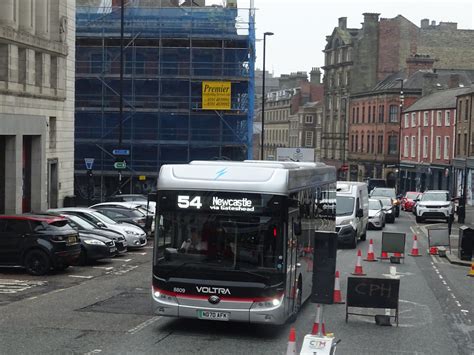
185	202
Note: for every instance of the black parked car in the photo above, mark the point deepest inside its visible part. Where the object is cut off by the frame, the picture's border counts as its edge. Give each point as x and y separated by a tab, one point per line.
82	225
38	243
95	247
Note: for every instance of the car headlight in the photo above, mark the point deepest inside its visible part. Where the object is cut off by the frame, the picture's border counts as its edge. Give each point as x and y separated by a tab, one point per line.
93	242
128	231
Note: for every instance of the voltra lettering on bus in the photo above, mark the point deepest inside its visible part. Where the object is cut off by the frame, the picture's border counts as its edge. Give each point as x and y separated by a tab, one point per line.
213	290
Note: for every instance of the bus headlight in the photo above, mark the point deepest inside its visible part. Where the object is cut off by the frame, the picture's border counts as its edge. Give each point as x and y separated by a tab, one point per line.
268	304
161	297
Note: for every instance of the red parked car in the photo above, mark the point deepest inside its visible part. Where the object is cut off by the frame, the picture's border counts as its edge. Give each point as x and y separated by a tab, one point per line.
408	201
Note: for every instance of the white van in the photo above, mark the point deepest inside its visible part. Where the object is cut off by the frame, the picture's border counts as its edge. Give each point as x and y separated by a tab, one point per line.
352	211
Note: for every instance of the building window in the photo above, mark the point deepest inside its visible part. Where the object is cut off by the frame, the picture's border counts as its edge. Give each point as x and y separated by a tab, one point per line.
393	113
465	143
353	114
446	147
363	114
439	118
381	109
413	119
406	121
308	141
405	147
318	119
357	115
438	147
52	132
458	144
308	119
318	140
369	115
356	143
413	146
362	143
373	144
425	118
373	113
447	118
392	145
368	143
352	143
425	147
380	144
466	110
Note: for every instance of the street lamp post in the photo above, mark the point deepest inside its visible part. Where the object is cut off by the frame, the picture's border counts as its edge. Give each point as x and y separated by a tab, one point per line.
263	93
402	99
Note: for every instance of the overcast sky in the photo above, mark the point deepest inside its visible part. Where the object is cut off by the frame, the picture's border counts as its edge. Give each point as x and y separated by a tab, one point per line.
301	26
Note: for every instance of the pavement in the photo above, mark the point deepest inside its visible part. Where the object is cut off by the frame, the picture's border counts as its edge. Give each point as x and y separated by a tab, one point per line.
452	253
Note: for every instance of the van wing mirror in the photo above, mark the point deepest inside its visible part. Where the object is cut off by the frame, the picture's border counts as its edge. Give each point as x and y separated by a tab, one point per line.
360	213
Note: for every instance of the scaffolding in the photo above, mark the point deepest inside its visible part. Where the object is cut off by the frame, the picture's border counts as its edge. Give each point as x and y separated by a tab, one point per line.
168	53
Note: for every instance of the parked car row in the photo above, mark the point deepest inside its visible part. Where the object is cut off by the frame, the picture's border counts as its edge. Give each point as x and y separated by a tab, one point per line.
64	236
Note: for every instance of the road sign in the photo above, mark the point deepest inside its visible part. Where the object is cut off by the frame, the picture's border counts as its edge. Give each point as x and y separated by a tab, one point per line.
120	165
121	152
142	177
89	163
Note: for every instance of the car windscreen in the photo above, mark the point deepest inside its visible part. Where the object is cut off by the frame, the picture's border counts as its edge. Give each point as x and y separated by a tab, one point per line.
386	202
374	205
383	192
344	205
435	196
80	222
412	195
102	217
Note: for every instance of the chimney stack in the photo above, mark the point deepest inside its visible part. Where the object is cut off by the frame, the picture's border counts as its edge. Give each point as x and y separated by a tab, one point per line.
454	80
343	23
425	23
429	83
419	62
315	76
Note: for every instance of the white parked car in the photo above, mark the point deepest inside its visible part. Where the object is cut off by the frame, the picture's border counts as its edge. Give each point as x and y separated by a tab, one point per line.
135	236
376	214
434	204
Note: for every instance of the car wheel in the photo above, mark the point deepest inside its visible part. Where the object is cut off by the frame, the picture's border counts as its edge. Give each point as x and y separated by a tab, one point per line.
37	262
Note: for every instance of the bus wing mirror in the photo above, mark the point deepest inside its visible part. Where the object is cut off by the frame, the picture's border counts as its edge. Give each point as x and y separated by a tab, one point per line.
297	228
294	203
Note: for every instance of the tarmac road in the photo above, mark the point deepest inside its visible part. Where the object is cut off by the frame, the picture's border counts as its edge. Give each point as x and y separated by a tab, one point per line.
110	312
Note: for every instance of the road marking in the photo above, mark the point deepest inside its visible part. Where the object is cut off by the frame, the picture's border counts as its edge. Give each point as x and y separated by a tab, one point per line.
95	351
464	311
103	267
81	277
126	260
147	247
141	253
9	287
143	325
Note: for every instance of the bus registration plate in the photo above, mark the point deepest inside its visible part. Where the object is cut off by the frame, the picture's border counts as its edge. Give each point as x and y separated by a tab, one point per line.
224	316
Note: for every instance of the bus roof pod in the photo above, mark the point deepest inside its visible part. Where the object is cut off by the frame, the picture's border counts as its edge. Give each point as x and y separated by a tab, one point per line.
246	163
272	178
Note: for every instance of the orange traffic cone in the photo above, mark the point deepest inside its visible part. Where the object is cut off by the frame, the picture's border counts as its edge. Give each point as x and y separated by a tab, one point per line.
433	251
370	253
317	320
337	290
471	272
414	249
291	348
384	256
358	268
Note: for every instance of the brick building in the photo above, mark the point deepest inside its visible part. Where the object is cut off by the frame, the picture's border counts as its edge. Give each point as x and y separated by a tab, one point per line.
357	59
428	141
463	162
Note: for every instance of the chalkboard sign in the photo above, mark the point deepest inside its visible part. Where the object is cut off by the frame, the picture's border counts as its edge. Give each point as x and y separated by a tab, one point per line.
365	292
393	242
324	267
439	237
372	293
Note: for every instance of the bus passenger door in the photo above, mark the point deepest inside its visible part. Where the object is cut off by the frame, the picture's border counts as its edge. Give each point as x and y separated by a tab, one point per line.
291	260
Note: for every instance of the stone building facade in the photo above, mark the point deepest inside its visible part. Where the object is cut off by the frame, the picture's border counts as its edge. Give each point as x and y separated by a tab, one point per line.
36	103
357	59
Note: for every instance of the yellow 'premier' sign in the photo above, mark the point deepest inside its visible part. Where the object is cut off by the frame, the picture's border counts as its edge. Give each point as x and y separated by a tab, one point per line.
216	95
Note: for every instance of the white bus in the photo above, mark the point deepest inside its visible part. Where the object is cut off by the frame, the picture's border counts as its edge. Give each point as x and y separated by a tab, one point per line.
234	239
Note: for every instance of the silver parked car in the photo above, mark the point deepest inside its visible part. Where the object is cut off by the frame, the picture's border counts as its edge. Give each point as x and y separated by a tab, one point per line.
376	214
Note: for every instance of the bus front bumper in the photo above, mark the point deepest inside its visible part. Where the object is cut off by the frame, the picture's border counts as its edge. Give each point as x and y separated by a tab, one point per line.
235	311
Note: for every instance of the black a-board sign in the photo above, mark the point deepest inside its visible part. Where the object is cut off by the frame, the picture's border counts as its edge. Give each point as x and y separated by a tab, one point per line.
366	292
324	267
